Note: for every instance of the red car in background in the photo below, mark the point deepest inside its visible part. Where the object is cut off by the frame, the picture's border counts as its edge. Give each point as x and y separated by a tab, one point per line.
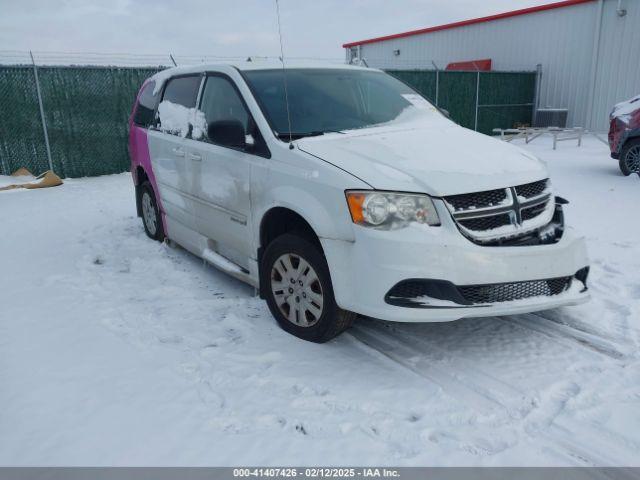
624	135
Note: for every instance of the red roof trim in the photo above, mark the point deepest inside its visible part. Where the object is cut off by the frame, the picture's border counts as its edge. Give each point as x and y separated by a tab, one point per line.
514	13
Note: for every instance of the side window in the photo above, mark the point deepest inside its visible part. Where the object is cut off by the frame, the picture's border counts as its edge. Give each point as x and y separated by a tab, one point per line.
176	112
143	116
182	91
221	102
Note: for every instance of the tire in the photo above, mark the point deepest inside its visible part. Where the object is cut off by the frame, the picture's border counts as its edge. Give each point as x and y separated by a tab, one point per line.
630	157
305	307
151	218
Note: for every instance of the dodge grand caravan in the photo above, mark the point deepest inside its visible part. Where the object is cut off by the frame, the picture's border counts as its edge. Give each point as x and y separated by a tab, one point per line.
338	191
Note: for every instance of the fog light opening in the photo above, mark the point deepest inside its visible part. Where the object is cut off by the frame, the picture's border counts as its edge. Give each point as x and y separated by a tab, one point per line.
582	276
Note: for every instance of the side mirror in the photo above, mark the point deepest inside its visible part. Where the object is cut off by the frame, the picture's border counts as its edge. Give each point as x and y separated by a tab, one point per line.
228	133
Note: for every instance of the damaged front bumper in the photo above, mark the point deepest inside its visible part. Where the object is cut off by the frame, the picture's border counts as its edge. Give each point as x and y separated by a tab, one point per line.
453	277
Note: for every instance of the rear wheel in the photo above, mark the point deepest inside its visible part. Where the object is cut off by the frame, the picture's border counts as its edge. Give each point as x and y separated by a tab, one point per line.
630	157
151	218
298	290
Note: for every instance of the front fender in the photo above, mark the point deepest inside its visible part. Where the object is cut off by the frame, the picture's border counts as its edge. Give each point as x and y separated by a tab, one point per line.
328	218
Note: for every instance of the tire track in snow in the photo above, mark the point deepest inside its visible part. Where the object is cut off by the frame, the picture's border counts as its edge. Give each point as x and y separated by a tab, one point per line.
492	397
413	360
591	329
565	335
503	394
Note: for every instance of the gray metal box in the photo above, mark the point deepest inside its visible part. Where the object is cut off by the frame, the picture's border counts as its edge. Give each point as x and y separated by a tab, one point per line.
551	117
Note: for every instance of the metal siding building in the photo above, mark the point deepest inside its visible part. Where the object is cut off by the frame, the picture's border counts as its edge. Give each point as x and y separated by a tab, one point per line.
589	53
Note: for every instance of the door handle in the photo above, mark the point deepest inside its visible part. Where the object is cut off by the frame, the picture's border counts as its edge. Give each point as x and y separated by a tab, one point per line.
178	152
195	156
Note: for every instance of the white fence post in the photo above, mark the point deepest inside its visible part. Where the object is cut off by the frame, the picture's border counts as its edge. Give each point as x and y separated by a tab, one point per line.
42	118
437	80
5	166
477	100
536	95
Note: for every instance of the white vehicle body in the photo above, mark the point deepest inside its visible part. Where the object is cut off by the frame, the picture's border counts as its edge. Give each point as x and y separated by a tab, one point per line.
216	200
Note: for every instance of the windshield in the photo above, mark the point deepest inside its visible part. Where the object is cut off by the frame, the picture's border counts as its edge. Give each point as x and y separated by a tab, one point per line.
330	100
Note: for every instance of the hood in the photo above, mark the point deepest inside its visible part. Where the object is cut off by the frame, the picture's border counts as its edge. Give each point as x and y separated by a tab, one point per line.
440	160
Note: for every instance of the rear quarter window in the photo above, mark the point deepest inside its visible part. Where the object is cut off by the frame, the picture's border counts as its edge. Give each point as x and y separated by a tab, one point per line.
143	115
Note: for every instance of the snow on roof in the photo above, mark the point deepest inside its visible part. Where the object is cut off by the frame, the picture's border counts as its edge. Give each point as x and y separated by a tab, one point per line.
513	13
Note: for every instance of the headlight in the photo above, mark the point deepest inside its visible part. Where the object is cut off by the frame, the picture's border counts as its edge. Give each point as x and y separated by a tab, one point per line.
390	211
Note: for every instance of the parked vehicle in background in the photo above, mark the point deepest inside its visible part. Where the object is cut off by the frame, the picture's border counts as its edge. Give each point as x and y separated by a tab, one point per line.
624	135
357	196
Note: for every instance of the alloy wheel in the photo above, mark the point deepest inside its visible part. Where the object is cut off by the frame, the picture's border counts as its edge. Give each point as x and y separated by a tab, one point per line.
632	159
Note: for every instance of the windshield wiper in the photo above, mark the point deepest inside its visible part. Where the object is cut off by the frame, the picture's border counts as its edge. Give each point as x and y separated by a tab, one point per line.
298	135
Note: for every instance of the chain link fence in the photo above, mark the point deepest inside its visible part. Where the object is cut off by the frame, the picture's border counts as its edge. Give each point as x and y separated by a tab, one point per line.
86	110
481	100
21	138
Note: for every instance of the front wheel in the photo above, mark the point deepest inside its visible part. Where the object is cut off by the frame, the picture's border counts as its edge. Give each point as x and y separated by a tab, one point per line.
630	158
298	290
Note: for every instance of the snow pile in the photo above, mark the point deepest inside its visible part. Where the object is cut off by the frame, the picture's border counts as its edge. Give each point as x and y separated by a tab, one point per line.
117	350
23	179
180	120
6	180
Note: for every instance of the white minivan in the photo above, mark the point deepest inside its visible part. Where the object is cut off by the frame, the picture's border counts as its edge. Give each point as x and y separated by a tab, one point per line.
340	190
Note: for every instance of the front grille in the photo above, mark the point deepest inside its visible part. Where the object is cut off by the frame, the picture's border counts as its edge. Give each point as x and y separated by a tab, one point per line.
506	292
531	190
495	215
486	223
472	201
532	212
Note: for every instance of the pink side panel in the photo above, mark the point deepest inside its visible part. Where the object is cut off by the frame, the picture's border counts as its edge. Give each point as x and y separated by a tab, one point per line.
140	156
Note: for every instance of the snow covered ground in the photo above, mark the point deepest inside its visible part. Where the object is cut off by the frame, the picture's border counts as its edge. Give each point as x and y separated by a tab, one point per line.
115	350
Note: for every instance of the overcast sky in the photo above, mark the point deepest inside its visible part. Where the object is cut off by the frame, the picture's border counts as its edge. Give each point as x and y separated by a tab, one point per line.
311	28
